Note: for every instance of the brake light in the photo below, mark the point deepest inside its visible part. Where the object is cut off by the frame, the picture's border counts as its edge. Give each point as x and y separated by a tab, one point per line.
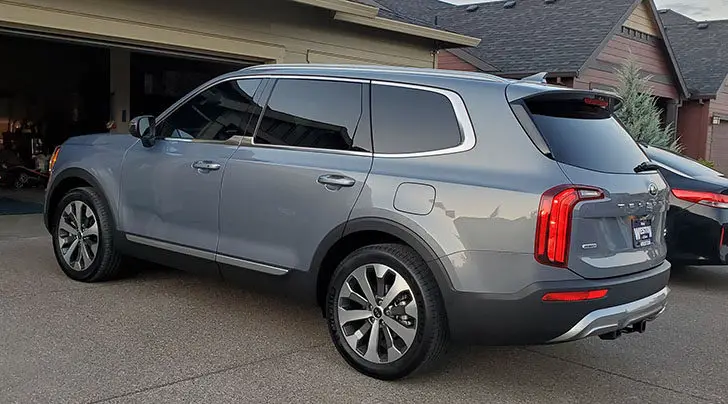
703	198
596	102
574	296
54	157
553	226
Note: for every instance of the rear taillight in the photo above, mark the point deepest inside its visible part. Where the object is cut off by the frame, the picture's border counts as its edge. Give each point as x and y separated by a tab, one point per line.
703	198
54	157
553	226
574	296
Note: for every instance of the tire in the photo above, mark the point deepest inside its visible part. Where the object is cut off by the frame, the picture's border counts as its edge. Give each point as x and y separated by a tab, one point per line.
425	326
104	263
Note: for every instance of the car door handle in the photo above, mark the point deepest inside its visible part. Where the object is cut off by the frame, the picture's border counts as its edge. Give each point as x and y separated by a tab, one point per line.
206	165
336	180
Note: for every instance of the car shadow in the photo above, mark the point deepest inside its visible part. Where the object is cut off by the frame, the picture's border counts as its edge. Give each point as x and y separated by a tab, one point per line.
700	277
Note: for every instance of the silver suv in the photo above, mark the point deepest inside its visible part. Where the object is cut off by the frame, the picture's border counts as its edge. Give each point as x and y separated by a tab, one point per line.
416	207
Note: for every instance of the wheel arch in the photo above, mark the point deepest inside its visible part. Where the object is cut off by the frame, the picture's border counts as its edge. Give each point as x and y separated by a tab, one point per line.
65	181
366	231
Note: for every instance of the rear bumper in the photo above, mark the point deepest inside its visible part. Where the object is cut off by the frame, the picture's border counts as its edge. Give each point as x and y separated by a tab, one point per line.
617	318
523	318
694	234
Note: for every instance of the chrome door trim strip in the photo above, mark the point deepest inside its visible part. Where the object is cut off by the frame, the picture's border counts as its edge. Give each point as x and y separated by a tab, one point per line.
250	265
208	255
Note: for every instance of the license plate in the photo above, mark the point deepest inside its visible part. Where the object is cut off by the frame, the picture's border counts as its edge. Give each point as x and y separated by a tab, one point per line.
642	230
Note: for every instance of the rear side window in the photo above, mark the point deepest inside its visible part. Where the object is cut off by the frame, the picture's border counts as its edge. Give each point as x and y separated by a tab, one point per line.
584	135
313	114
408	120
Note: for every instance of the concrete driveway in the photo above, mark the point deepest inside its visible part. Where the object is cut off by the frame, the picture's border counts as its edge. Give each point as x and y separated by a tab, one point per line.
165	336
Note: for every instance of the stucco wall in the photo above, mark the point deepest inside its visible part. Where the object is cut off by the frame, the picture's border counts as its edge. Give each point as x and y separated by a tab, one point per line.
271	31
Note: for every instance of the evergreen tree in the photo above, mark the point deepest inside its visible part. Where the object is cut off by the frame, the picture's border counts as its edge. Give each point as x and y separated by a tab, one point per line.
639	111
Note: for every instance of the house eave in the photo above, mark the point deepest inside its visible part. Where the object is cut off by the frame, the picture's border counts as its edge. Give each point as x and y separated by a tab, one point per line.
447	38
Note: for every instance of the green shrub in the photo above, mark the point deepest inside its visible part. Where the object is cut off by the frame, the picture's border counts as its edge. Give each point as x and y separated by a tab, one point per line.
639	111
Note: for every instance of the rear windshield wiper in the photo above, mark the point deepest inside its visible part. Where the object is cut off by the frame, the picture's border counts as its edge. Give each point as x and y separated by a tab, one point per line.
646	166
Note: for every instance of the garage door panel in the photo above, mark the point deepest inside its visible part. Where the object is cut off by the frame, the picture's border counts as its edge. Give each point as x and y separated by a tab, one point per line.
719	147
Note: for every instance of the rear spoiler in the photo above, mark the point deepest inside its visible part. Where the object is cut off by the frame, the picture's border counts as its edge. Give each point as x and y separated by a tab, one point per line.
524	90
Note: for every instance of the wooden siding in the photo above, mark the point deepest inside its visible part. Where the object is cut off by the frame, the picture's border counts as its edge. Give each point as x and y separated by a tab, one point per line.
692	128
718	146
719	106
448	61
651	56
643	20
270	31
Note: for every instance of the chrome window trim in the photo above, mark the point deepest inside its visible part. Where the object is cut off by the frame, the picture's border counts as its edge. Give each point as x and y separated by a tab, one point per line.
461	114
467	130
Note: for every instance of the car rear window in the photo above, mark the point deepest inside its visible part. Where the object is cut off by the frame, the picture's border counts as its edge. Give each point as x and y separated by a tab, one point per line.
585	136
679	163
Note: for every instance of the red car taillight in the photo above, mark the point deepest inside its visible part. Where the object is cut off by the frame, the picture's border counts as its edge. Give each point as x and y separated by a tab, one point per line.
553	226
703	198
574	296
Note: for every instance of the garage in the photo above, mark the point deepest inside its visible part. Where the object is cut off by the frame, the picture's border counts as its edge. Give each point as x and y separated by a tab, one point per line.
718	148
82	66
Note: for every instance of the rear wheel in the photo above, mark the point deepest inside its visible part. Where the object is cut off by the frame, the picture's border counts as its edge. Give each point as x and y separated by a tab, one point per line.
385	312
83	237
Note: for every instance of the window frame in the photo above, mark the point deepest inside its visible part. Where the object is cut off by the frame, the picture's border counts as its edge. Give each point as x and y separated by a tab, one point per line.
265	89
467	138
268	92
199	90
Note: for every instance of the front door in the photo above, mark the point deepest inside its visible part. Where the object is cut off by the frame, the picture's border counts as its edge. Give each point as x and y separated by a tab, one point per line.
170	192
298	179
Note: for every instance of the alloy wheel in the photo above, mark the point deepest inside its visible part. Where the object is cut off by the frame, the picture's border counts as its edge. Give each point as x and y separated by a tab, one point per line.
78	235
377	313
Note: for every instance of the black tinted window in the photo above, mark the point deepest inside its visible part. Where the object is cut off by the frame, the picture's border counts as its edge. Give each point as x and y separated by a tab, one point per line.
406	120
679	163
312	113
585	136
217	114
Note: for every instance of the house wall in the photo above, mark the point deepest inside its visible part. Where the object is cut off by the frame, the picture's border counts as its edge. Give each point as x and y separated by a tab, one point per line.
651	56
717	136
642	20
692	127
448	61
270	31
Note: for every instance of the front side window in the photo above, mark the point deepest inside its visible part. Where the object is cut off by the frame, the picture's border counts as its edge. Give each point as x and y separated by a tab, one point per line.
408	120
312	113
217	114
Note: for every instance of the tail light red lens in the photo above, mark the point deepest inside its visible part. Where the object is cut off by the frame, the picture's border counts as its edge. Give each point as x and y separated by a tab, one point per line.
574	296
703	198
553	226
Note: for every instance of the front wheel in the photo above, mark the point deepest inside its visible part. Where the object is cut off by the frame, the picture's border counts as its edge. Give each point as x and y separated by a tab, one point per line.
83	237
385	312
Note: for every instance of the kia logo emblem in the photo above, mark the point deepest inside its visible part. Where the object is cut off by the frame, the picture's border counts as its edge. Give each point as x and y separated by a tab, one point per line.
653	189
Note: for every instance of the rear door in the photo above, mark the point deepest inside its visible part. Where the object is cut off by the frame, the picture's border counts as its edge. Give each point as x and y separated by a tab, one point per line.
622	233
297	180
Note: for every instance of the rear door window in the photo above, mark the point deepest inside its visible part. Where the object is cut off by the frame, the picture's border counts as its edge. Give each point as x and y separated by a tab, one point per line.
585	136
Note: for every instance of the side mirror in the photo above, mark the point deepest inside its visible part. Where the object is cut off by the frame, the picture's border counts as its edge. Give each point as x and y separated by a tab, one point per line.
143	127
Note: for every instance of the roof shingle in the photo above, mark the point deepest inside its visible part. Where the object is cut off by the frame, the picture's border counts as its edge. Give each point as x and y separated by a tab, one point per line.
535	36
702	55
